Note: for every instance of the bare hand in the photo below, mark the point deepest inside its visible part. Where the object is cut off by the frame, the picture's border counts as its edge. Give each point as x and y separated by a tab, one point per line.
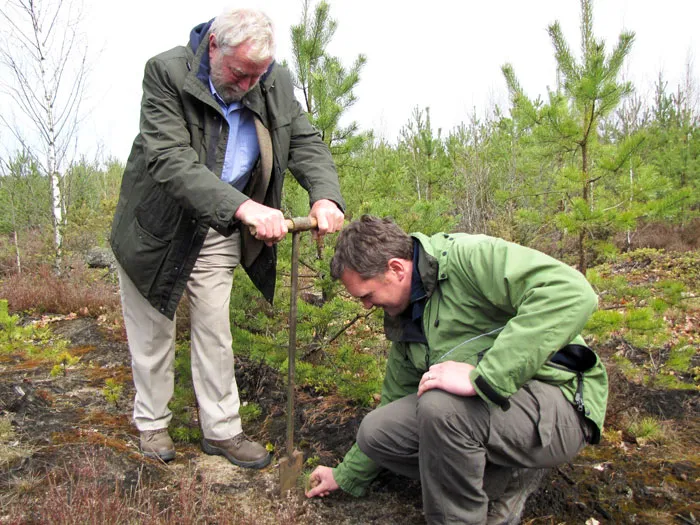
322	481
267	224
328	215
450	376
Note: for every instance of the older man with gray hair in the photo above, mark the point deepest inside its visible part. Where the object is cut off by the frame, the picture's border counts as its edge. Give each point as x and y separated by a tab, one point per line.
219	126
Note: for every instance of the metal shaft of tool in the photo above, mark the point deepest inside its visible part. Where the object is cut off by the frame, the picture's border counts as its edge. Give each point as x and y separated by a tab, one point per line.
292	342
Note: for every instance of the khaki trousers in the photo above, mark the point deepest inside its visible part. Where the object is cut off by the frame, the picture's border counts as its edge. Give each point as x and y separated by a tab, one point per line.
464	450
151	338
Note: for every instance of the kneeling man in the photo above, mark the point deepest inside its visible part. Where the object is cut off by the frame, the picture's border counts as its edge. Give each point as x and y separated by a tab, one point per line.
488	380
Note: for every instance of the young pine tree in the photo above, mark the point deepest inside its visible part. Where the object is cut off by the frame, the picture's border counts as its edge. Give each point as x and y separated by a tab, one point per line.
327	87
564	132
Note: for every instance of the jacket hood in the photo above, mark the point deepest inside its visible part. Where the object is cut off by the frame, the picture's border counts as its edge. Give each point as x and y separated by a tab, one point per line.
200	33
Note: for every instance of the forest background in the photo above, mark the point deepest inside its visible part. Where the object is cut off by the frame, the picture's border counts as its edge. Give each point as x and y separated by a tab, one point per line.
593	173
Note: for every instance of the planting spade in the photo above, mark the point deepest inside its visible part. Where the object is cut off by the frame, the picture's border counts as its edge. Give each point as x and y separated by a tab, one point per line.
291	465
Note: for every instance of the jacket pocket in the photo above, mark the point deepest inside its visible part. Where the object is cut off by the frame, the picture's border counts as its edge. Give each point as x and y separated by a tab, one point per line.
143	255
158	215
529	426
542	394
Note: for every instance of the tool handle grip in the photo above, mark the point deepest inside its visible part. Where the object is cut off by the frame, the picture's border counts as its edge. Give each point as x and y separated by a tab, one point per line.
301	224
297	224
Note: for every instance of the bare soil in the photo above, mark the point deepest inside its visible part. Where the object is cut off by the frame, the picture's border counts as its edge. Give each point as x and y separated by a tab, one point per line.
66	421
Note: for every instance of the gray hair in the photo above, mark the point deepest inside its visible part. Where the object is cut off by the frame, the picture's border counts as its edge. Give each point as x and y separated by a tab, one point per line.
366	245
236	26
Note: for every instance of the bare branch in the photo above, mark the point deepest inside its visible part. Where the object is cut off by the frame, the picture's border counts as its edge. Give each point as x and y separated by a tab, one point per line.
18	33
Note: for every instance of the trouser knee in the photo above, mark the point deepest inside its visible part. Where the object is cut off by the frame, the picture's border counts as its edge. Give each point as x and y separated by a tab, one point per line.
432	410
368	435
441	415
433	406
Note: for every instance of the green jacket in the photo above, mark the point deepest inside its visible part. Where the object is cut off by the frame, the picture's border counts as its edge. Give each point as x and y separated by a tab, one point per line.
503	308
171	190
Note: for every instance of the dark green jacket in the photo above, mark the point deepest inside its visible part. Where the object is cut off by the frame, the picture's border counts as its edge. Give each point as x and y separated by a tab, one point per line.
171	191
506	309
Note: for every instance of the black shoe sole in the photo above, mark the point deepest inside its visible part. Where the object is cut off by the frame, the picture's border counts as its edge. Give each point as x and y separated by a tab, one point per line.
216	451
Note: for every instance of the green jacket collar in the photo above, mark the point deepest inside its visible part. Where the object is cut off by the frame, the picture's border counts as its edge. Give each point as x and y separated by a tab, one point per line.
428	270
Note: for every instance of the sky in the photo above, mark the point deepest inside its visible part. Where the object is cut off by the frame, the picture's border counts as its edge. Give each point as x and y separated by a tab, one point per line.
443	54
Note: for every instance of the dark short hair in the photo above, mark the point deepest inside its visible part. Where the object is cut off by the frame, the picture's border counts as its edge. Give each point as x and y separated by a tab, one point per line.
366	245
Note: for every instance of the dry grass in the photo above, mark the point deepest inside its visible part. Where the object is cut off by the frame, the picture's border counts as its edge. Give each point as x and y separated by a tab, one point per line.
670	237
86	491
77	289
11	451
35	250
38	288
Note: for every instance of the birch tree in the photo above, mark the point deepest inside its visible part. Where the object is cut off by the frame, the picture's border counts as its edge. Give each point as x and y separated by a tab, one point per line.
44	56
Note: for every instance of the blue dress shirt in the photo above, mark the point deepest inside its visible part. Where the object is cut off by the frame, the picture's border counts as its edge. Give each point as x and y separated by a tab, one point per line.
242	148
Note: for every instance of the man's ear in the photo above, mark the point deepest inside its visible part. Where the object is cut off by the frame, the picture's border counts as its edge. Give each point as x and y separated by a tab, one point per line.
398	267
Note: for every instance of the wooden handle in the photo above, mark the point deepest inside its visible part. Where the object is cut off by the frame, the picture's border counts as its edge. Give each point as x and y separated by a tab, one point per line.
297	224
301	224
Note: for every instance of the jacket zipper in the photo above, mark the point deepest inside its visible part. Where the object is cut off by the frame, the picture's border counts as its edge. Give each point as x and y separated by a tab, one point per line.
579	403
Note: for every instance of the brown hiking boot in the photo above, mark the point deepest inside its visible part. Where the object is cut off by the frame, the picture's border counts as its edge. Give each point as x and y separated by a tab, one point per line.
508	507
239	450
157	444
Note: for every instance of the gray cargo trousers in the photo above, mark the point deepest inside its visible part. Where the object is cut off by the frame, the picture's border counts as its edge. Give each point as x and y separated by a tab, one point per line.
464	450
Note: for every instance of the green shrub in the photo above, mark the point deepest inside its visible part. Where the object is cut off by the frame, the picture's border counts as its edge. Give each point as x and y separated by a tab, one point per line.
659	305
30	339
681	357
62	363
629	370
647	429
672	291
603	323
644	327
642	320
669	381
12	334
112	391
644	255
249	412
184	426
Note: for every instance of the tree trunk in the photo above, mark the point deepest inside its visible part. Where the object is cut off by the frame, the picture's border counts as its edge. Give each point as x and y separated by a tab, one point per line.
417	172
582	251
52	165
56	216
14	234
629	230
19	261
585	196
